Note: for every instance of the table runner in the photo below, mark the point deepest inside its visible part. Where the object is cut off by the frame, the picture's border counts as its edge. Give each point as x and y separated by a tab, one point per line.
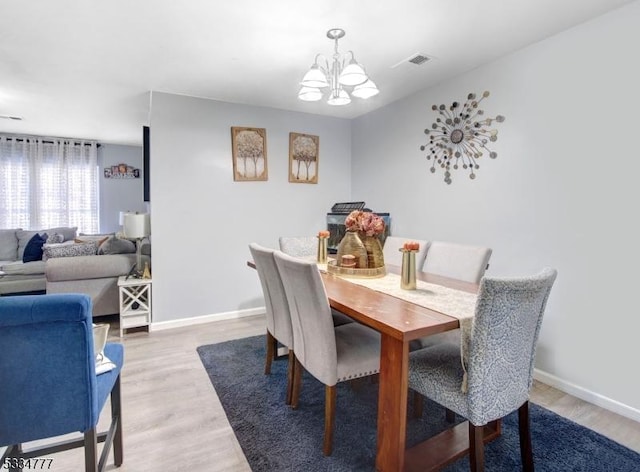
445	300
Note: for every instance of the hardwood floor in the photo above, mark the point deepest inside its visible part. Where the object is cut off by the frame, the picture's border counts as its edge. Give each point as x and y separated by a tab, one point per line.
173	420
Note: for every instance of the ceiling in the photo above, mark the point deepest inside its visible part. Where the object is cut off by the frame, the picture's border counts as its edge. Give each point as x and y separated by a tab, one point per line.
83	68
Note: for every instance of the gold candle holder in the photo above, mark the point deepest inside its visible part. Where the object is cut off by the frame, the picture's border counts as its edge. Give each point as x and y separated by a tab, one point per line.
408	272
322	249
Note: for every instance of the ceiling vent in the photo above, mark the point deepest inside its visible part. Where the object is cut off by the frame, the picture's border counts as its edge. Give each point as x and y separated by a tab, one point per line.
418	59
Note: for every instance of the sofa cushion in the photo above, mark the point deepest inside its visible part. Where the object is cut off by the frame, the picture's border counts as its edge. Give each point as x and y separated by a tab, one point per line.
33	249
23	268
83	268
115	245
90	248
8	245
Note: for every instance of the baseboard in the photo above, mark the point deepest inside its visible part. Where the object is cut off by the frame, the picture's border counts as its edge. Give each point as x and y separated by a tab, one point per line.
196	320
587	395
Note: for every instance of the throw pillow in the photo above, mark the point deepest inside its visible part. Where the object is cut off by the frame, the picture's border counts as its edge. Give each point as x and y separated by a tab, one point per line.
55	238
33	249
115	245
89	248
97	238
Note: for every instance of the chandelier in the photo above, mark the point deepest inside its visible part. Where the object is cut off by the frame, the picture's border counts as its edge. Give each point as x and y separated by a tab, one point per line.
341	73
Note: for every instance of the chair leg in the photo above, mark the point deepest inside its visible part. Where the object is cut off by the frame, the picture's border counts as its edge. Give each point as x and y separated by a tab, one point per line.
271	352
449	415
526	451
418	404
116	413
329	417
290	369
12	452
476	448
91	450
297	382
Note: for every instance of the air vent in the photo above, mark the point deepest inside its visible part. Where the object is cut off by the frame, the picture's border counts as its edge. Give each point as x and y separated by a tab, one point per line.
7	117
419	59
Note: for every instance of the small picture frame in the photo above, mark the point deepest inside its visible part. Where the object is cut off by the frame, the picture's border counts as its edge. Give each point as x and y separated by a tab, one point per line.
249	149
303	158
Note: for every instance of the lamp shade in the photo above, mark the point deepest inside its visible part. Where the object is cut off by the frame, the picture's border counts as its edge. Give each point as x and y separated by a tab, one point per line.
137	225
366	90
339	97
310	94
315	77
353	74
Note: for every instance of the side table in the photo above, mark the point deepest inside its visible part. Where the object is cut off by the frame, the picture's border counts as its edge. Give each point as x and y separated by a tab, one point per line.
135	302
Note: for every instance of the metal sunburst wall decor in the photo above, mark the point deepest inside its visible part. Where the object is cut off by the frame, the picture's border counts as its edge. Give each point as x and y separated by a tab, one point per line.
459	137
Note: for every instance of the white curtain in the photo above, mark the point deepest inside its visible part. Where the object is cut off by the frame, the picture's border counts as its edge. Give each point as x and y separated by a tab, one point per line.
48	182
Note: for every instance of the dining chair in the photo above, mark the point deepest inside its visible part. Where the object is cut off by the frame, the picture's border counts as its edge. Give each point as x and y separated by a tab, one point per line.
499	363
456	261
307	246
393	256
332	354
48	381
299	246
277	311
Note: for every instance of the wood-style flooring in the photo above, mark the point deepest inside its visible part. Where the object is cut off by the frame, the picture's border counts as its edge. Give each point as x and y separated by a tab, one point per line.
173	420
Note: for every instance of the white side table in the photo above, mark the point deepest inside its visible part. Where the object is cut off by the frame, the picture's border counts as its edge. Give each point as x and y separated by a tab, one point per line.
135	302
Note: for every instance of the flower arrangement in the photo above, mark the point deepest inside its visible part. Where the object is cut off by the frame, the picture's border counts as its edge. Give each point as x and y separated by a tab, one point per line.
365	222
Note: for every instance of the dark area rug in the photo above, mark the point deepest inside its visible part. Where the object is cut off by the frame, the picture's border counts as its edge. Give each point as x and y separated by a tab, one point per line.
276	438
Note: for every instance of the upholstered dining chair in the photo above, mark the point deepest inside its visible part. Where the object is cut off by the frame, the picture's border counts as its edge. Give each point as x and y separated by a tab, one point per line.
307	246
393	256
457	261
499	369
330	353
298	246
48	381
277	311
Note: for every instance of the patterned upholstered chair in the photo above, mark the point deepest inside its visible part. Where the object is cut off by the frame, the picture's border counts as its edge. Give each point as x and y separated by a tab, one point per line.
48	381
393	256
330	353
307	246
302	246
277	310
501	354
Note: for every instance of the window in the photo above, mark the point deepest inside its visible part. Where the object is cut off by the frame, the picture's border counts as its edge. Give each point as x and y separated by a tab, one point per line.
48	182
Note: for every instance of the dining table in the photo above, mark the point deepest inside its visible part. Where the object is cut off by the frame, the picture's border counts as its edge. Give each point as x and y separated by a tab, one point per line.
399	322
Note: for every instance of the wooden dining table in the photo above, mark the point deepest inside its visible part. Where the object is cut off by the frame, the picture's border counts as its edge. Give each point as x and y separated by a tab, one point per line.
399	322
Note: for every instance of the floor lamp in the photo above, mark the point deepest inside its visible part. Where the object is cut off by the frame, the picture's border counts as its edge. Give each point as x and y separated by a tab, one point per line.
137	226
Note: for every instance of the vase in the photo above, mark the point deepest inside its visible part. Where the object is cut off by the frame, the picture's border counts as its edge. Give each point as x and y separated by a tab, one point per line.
352	244
408	272
322	250
375	258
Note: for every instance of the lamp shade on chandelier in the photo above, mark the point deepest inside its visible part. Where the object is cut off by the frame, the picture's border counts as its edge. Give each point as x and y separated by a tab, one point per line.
343	71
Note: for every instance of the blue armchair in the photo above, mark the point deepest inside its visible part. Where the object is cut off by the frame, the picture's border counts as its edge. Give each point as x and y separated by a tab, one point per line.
48	384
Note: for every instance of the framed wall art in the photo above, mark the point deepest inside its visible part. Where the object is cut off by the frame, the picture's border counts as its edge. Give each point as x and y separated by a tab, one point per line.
303	158
249	148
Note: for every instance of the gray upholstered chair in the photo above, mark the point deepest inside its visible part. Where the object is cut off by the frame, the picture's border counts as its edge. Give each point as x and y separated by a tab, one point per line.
393	256
331	354
301	246
307	247
277	311
501	354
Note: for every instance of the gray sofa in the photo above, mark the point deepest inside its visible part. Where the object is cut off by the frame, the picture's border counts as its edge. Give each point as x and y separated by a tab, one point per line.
95	275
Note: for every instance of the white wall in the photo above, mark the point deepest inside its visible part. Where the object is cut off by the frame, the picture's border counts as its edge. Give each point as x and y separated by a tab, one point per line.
119	194
202	221
563	191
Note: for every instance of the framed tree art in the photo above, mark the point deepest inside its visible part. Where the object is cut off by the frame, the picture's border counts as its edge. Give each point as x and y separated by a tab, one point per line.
249	148
303	158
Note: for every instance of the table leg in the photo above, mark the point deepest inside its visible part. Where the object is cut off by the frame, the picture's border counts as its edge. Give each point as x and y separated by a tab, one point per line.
392	404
